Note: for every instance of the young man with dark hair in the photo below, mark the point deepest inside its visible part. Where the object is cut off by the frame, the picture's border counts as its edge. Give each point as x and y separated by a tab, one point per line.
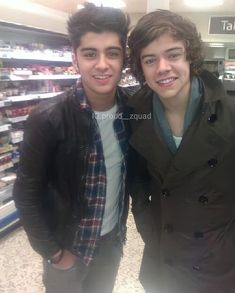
185	210
71	190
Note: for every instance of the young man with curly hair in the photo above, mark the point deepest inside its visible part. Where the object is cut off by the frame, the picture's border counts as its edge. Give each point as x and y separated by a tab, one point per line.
184	191
71	188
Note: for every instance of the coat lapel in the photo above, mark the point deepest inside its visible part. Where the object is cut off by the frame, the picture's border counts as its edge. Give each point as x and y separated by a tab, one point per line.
148	143
204	139
202	142
145	138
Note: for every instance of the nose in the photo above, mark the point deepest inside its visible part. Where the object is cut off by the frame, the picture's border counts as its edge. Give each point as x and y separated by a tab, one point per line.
102	62
163	65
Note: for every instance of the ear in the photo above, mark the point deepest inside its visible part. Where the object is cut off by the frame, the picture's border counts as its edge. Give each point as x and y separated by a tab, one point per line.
75	61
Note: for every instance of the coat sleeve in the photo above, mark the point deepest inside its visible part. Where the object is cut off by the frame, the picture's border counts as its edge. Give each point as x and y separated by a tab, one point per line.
141	197
31	184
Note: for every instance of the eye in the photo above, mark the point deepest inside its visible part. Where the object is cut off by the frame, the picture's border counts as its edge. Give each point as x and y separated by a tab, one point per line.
174	56
149	61
89	54
114	54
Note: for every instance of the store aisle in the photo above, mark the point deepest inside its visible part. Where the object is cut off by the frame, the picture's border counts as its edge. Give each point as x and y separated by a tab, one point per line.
20	266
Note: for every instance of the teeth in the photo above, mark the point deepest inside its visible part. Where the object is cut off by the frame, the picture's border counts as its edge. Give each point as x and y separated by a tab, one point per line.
101	77
166	80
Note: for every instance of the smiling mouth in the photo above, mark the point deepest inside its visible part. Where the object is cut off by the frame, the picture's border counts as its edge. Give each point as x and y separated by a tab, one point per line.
101	77
166	81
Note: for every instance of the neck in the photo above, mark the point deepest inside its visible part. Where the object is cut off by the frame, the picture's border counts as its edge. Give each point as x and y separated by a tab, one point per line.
175	109
101	105
101	102
177	105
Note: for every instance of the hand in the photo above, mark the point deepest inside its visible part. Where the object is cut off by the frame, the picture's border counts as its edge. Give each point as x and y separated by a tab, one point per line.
67	261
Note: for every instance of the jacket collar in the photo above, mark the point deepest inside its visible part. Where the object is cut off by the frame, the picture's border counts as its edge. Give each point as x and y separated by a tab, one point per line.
141	102
213	88
121	97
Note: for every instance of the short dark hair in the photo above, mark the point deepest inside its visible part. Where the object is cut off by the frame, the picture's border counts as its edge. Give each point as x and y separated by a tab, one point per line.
98	19
153	25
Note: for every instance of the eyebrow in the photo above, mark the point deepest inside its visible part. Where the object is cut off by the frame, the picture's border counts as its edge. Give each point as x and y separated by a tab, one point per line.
94	49
167	51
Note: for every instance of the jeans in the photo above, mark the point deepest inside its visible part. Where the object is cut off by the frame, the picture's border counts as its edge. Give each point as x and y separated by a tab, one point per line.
98	277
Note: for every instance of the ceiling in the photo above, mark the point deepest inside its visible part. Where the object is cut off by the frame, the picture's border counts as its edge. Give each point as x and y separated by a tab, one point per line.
136	6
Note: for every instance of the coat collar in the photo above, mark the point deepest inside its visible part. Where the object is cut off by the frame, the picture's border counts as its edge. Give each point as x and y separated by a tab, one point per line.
202	141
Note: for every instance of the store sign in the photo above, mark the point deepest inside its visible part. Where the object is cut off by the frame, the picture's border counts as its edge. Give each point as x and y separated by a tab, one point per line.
222	25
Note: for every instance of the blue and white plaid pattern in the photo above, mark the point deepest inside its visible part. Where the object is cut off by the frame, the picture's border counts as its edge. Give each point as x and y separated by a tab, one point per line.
95	186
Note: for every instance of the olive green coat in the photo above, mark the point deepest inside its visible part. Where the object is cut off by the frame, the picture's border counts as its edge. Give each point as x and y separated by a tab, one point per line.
188	224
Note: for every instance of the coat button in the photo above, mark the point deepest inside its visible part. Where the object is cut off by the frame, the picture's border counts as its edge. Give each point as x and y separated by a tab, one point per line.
198	235
165	193
168	228
203	199
212	162
212	118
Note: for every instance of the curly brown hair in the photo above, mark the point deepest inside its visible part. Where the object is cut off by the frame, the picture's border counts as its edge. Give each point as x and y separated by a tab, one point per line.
153	25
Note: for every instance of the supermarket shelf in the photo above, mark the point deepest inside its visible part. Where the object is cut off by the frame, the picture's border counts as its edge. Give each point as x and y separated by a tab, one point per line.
5	103
8	220
17	136
40	77
15	160
5	127
39	56
10	227
32	97
7	209
6	166
9	217
18	119
29	69
17	140
5	194
6	148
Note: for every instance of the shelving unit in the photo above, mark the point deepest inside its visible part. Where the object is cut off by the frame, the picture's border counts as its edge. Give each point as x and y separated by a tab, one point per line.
34	65
229	73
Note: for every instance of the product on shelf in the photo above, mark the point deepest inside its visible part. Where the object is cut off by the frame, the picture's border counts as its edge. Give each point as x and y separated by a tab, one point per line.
17	136
29	72
18	111
6	148
5	158
4	138
8	178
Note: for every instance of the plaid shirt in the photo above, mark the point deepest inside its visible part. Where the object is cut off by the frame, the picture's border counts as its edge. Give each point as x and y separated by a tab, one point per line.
89	229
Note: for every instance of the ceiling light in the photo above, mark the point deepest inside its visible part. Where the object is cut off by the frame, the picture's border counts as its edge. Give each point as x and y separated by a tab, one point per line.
203	3
108	3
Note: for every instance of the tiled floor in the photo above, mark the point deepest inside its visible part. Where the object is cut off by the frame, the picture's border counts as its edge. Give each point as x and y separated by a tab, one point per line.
20	266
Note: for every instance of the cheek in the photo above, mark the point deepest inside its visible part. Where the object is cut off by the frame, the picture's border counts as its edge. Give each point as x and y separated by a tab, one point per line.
117	69
119	65
186	67
187	73
84	68
148	73
145	72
